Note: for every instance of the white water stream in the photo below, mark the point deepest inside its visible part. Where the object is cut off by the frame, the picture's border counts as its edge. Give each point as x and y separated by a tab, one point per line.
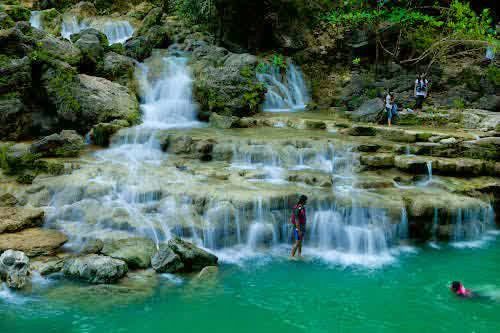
286	92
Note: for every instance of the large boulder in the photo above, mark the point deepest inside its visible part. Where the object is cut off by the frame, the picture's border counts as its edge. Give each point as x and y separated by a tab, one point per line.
141	47
49	47
166	260
95	268
489	102
13	219
370	111
67	143
92	44
14	268
193	258
136	251
225	82
84	100
33	242
118	68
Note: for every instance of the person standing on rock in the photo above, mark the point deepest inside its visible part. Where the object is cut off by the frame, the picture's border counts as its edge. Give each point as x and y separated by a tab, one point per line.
390	107
421	91
299	225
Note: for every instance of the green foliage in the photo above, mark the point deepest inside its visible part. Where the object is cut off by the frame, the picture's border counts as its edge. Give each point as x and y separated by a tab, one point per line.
356	61
493	75
279	61
247	72
459	104
19	13
262	67
434	36
254	95
198	11
25	179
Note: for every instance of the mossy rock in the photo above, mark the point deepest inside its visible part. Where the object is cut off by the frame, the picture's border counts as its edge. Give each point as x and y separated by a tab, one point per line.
5	21
51	21
18	13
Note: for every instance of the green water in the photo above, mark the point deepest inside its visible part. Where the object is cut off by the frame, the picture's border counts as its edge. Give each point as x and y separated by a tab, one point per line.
276	295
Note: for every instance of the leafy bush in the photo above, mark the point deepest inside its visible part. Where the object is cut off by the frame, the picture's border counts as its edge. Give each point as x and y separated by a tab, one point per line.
199	11
493	75
459	104
19	13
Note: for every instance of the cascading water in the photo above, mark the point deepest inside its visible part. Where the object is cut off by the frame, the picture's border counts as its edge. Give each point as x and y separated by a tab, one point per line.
118	31
285	92
71	25
470	226
124	192
36	19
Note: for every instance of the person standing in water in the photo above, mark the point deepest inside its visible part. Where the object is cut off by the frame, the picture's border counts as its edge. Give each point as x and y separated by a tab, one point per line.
299	224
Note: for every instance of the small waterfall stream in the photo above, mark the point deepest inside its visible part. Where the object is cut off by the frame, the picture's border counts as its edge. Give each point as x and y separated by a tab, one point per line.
36	19
286	91
117	31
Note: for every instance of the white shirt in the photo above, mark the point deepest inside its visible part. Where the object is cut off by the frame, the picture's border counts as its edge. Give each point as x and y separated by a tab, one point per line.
422	93
388	103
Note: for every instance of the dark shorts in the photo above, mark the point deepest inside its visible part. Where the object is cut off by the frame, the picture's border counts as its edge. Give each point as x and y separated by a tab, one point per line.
419	102
296	232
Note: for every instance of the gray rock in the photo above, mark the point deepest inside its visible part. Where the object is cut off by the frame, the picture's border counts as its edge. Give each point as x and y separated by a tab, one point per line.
370	111
166	260
136	252
225	82
448	141
223	122
14	268
92	246
33	241
8	200
193	258
13	219
47	267
491	102
117	67
91	43
67	143
95	268
104	101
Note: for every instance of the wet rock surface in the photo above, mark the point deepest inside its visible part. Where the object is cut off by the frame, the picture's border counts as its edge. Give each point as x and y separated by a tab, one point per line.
33	241
14	269
136	252
13	219
95	268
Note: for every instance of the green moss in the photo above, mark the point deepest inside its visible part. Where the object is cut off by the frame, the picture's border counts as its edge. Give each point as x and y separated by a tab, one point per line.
254	95
25	179
6	22
493	75
19	13
55	168
247	72
14	164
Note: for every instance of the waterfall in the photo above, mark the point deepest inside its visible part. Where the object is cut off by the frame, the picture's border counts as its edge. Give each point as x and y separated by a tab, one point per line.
470	226
286	92
36	19
403	224
71	25
429	171
167	94
124	191
261	231
118	31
